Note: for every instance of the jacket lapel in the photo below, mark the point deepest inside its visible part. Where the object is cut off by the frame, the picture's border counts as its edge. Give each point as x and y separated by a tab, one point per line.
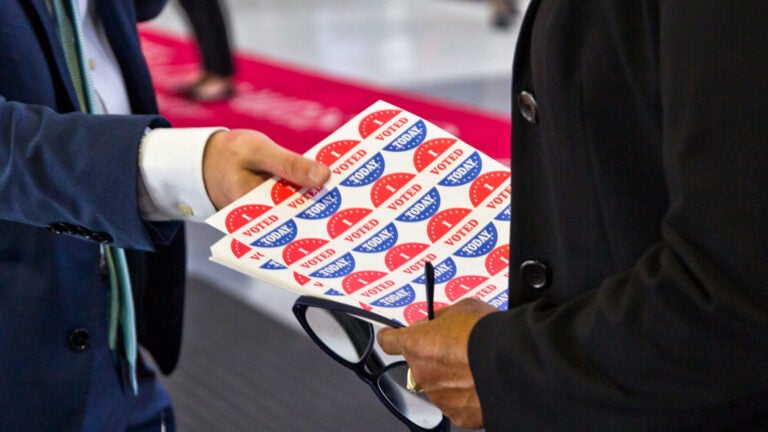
46	21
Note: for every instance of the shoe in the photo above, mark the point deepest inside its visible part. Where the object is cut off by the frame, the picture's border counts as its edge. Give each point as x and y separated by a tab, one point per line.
209	88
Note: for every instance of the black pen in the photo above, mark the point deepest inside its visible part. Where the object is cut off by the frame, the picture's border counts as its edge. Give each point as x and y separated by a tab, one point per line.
429	274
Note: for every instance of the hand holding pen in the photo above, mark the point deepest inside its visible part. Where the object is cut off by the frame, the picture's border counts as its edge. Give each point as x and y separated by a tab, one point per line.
436	350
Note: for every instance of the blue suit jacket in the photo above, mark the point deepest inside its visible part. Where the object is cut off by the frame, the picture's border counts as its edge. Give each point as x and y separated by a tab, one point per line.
75	174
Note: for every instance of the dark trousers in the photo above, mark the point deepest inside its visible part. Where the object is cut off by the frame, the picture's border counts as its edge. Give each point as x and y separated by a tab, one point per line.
210	27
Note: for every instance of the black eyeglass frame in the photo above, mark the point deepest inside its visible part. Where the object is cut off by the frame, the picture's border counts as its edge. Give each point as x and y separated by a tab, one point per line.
300	307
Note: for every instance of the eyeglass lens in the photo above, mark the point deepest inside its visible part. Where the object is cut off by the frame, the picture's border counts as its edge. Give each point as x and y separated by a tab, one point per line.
414	406
350	338
343	334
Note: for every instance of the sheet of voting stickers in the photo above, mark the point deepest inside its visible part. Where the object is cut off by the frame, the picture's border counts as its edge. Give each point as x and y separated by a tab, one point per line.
402	192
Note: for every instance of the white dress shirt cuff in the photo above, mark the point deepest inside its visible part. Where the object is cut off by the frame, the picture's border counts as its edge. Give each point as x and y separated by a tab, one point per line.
171	185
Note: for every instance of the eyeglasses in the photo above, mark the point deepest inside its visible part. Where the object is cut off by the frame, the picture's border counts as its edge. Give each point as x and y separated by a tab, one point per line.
346	334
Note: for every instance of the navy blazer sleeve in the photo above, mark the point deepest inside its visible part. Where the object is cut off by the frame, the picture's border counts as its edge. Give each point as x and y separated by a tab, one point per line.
74	168
654	320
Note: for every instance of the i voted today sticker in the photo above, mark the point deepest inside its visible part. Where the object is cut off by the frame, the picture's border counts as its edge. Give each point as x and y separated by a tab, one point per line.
323	207
423	208
429	151
333	151
367	173
480	244
409	139
372	122
465	172
241	215
280	236
381	241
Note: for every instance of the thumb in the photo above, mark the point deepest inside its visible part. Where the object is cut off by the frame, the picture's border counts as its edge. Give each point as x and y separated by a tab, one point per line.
389	340
291	166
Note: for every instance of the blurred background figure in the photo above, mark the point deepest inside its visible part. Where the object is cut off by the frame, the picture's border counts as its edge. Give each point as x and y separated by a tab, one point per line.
215	80
503	11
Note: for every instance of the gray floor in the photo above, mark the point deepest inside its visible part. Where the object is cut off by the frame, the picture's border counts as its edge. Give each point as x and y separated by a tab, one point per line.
243	371
246	366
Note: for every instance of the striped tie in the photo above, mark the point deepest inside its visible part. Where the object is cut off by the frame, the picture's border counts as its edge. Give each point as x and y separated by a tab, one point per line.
121	319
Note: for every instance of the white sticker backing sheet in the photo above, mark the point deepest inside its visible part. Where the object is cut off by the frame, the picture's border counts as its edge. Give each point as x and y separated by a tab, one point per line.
402	192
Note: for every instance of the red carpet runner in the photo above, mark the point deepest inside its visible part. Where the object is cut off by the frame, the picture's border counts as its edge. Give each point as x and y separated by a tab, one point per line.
295	107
